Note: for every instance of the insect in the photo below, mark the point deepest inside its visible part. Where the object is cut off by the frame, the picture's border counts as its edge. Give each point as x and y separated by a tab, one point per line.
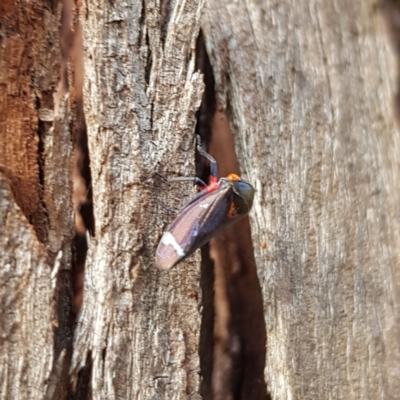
216	206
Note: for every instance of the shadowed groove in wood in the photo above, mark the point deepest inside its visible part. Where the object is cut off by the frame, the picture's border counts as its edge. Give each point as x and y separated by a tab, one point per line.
239	331
71	79
391	12
206	344
39	220
81	389
203	128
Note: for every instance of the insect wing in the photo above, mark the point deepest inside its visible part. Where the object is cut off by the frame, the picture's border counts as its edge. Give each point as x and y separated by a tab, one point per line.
198	222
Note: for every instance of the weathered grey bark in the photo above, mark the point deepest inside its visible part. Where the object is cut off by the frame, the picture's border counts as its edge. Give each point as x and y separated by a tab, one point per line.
35	205
139	326
27	306
309	88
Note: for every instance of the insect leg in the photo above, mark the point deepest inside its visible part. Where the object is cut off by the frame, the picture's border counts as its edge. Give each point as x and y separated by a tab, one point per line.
194	179
213	163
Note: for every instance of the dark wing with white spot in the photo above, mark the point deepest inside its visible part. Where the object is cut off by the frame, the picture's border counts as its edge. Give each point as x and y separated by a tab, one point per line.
198	222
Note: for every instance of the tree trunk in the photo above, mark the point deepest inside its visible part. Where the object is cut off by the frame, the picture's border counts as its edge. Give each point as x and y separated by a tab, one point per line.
139	326
35	206
307	91
308	87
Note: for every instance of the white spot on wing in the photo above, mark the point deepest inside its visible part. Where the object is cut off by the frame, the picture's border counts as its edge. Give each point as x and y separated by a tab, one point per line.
168	238
204	205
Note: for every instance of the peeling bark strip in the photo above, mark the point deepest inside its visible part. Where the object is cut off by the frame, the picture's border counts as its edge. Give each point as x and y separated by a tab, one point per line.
310	86
141	94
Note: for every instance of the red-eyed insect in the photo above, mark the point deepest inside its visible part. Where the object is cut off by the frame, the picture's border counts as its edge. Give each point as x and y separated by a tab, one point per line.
216	206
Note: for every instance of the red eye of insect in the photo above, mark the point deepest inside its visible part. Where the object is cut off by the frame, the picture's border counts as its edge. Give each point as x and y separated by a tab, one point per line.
233	177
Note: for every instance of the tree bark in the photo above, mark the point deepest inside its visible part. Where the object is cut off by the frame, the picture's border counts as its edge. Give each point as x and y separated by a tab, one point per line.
139	326
308	88
35	205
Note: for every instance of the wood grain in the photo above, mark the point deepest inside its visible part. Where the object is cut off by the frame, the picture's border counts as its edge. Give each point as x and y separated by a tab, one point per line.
36	205
139	326
309	89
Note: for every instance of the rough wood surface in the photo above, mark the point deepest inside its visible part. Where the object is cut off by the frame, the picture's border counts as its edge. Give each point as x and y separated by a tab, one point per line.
138	331
239	332
309	87
36	205
29	70
35	291
27	306
35	288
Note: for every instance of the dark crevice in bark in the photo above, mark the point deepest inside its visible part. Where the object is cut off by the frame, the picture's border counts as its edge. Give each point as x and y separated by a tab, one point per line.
71	75
144	40
62	336
83	165
144	37
149	63
80	248
83	388
247	325
39	218
391	11
166	7
207	323
40	149
242	358
203	128
63	332
208	103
